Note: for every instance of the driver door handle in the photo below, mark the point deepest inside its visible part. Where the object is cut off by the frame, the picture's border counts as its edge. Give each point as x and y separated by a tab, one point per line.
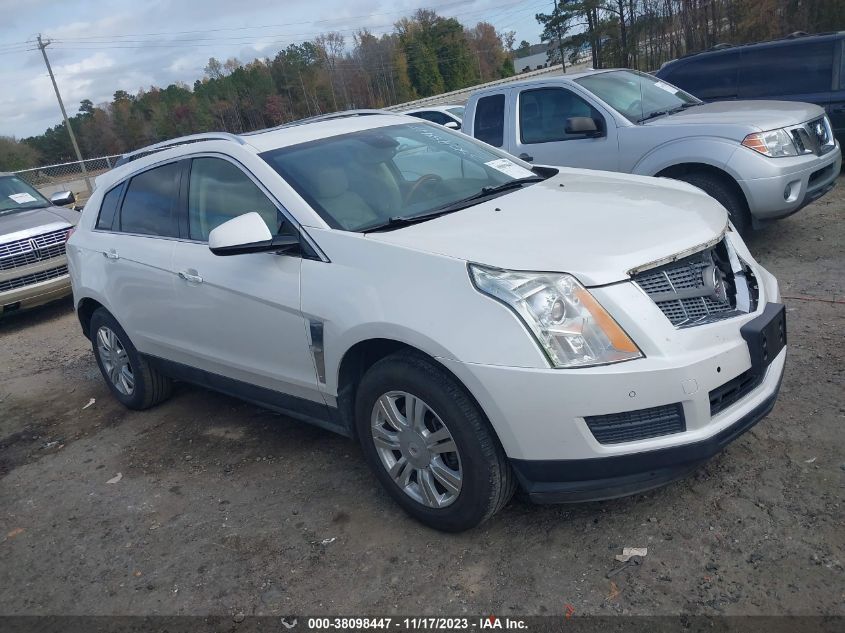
526	157
111	254
191	276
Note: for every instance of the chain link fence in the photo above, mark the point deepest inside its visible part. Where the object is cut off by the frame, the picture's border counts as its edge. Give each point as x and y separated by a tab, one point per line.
51	179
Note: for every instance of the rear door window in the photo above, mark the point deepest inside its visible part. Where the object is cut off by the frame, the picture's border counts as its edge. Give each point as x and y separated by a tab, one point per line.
707	77
490	120
794	68
151	200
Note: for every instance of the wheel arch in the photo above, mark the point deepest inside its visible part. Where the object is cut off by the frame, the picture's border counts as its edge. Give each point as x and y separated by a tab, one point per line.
679	170
364	354
84	311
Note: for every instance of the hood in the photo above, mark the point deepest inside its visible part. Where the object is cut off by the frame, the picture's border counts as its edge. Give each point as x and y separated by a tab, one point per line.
34	218
758	115
594	225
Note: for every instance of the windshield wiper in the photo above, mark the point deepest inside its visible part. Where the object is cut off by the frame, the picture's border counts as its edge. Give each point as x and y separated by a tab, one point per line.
654	115
405	220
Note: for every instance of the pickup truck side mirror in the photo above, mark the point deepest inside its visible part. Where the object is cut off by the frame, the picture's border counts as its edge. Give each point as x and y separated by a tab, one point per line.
582	125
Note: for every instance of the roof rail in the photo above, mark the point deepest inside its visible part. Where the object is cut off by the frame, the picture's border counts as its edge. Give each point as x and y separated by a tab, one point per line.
321	117
175	142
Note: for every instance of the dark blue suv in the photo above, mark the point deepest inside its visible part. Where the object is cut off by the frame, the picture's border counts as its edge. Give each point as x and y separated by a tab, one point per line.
800	67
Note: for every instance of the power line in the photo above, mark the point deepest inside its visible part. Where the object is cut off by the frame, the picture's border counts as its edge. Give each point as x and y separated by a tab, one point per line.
269	26
109	42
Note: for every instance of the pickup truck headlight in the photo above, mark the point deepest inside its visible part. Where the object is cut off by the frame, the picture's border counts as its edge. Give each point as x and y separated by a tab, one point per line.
569	324
773	143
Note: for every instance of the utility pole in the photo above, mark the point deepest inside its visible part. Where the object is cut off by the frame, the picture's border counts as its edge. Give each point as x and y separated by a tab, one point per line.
42	45
558	14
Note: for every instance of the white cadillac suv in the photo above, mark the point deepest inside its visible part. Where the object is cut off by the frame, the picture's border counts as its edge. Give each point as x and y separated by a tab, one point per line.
477	323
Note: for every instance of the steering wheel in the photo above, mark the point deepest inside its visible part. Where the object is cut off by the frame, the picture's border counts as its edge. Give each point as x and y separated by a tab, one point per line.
430	179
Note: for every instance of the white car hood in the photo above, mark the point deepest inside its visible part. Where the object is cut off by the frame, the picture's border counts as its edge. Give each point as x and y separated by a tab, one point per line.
594	225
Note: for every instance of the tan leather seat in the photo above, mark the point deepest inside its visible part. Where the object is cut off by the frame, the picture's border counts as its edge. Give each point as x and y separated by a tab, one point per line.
330	186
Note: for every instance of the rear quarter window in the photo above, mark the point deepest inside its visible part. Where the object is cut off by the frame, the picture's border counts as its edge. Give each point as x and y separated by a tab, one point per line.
108	208
794	68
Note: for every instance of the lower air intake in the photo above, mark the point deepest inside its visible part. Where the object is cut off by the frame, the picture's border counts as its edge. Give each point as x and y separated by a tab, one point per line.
637	425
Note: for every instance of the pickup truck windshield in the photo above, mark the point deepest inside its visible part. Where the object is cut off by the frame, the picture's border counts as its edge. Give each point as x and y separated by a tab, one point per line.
16	195
637	96
395	175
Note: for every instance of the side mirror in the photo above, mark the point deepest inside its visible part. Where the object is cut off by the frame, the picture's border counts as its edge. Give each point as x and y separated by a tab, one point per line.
247	233
62	198
582	125
452	125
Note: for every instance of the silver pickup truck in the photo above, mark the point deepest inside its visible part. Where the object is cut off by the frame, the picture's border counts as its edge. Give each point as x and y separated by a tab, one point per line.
761	159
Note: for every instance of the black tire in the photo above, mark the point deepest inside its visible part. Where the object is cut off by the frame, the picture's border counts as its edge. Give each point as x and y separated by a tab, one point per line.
488	481
716	187
150	386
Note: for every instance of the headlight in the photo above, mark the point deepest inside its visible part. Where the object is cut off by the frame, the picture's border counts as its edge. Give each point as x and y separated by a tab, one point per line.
568	323
772	143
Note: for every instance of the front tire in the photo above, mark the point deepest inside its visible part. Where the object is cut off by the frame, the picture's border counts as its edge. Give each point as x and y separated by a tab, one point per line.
430	445
129	376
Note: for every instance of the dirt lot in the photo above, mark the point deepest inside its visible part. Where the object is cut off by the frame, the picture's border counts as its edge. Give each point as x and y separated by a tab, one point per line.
224	508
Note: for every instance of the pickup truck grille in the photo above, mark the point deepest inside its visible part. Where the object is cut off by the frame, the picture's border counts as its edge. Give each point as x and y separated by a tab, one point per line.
33	249
28	280
814	137
701	288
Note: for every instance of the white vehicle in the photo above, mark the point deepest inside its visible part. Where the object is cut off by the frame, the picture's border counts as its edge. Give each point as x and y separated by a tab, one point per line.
476	323
450	116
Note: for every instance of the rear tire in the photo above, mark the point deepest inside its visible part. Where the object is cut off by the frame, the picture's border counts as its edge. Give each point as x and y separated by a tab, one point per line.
724	194
128	375
456	474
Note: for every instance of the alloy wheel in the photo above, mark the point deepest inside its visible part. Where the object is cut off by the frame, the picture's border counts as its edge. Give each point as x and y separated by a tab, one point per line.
417	449
115	361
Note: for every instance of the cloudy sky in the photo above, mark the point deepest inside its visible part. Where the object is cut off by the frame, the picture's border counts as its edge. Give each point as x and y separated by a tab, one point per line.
99	46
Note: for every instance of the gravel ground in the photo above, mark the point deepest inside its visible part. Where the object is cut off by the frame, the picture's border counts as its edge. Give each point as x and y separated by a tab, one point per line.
223	508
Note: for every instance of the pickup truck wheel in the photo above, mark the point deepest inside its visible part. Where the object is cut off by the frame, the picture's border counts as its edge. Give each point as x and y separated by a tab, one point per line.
129	376
430	445
717	188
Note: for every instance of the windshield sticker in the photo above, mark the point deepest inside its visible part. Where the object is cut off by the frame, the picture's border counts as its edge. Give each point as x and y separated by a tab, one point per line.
511	169
670	89
22	198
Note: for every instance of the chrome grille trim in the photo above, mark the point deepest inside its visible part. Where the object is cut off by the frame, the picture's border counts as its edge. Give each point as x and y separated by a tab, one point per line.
23	252
813	137
710	285
28	280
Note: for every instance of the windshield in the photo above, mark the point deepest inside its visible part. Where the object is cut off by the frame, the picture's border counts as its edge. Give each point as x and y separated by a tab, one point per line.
458	111
17	195
363	179
635	95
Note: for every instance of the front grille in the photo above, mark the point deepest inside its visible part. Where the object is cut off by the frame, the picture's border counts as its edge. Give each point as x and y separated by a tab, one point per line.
822	136
700	288
630	426
32	250
732	391
28	280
